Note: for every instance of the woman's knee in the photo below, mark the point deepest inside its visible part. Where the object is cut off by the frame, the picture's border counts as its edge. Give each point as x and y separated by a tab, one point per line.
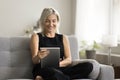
89	67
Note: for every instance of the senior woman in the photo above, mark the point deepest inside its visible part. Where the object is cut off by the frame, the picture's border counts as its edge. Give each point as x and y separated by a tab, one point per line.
48	37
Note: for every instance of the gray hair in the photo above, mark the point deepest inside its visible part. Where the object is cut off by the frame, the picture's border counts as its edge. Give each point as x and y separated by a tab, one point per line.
46	12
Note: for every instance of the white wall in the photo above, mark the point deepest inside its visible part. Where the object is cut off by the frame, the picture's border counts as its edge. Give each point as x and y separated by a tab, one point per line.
18	15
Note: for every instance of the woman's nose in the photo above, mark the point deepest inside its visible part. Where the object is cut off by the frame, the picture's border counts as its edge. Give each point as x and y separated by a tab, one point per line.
51	23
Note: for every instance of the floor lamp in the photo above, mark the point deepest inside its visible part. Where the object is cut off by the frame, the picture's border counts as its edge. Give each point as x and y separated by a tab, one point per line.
109	41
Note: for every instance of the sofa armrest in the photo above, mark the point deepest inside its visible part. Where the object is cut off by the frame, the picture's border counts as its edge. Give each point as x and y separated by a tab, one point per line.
100	71
106	72
96	67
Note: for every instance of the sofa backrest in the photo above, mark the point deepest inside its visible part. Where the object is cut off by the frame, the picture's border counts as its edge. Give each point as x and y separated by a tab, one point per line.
74	47
15	56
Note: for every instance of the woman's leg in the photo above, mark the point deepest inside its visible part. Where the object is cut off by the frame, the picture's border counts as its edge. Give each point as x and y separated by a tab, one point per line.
59	75
53	74
35	71
41	72
48	74
81	70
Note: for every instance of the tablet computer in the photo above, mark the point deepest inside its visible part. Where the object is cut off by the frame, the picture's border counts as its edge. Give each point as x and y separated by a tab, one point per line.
52	59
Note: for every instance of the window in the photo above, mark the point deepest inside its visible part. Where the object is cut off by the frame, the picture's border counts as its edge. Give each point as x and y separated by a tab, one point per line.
94	18
116	18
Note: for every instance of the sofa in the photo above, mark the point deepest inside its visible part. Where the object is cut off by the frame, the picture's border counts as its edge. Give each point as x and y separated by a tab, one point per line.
16	63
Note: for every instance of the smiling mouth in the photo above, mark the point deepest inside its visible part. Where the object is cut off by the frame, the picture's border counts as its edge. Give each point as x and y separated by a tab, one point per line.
50	27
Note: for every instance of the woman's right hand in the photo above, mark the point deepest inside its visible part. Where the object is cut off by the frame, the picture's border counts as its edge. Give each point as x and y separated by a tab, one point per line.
42	53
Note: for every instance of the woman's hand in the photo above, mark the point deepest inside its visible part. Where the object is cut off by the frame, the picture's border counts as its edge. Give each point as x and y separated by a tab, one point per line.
42	53
65	62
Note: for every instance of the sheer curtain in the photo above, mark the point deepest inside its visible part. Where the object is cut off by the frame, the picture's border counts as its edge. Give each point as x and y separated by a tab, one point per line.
116	18
92	19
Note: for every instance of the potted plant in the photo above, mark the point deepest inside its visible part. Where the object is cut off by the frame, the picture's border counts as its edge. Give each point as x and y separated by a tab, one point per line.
89	49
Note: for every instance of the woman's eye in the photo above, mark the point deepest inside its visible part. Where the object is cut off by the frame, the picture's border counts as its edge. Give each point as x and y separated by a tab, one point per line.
46	21
54	21
50	21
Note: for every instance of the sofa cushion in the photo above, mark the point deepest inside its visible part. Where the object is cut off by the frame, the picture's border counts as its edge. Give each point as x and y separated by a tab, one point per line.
20	73
19	43
96	69
74	47
4	72
4	44
5	59
21	58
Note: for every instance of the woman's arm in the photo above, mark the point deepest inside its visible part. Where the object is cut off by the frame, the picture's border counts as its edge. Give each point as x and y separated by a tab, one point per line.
34	48
37	54
67	53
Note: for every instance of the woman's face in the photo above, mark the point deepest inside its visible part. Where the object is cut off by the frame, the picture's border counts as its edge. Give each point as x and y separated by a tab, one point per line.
50	23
